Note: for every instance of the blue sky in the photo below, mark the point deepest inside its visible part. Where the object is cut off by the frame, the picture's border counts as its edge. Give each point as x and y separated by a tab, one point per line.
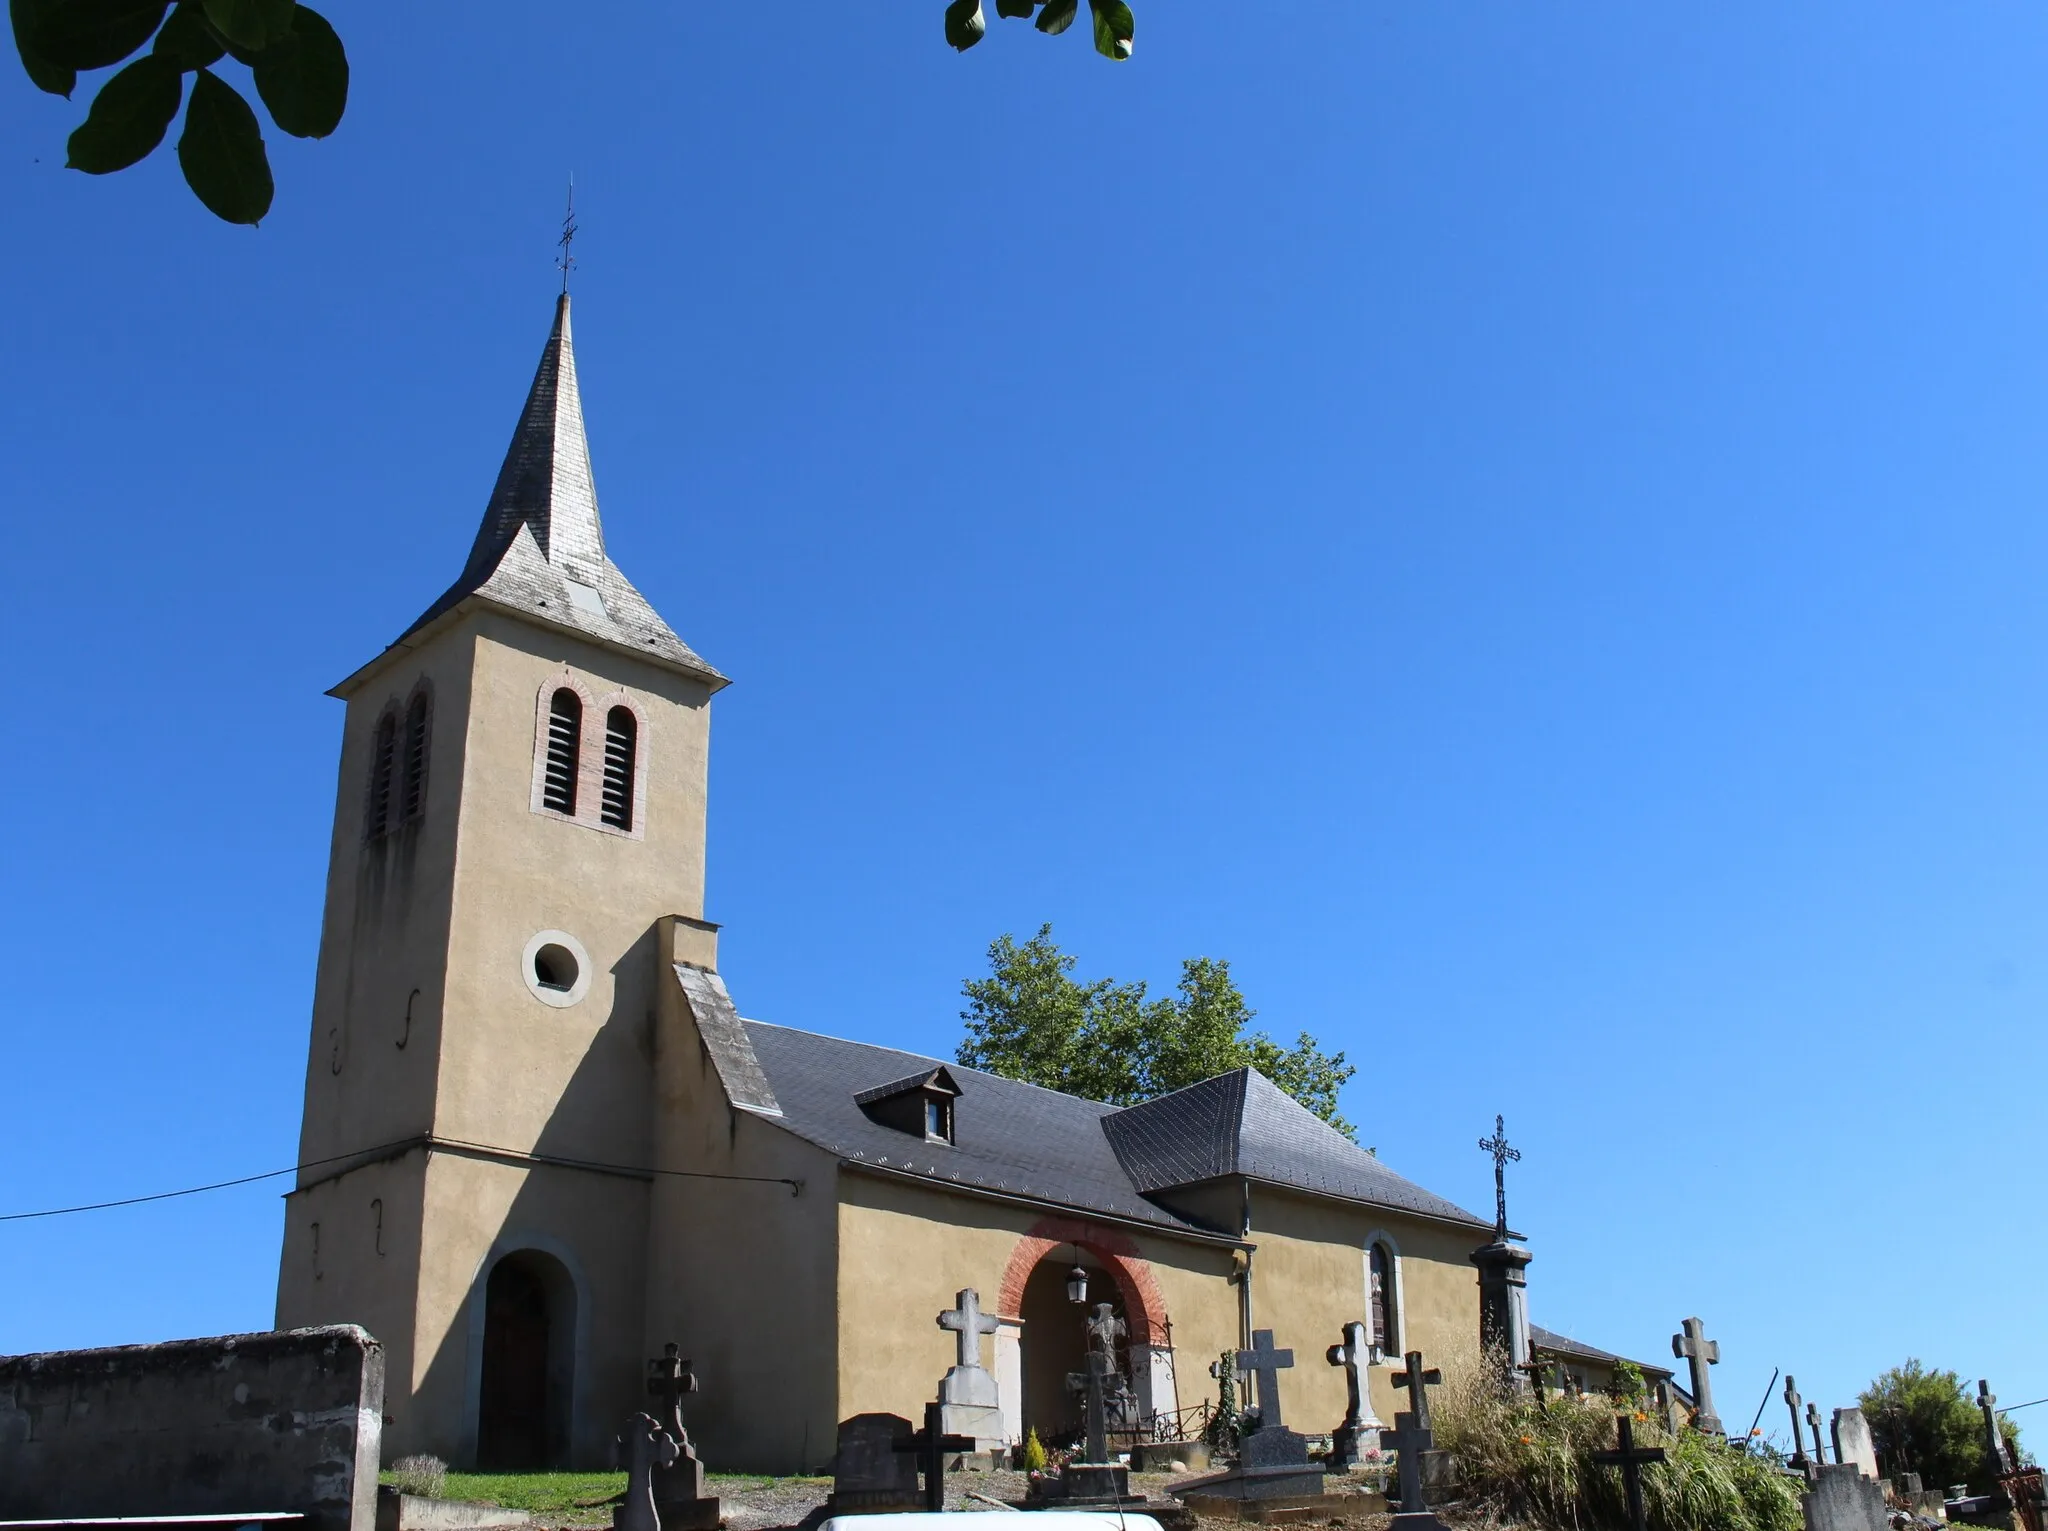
1516	525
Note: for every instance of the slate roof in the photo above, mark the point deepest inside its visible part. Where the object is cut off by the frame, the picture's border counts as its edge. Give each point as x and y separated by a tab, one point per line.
540	550
1024	1140
1242	1123
1564	1345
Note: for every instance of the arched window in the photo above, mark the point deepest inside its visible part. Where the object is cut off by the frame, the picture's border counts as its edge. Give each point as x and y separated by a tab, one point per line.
565	743
1379	1265
413	799
383	758
621	740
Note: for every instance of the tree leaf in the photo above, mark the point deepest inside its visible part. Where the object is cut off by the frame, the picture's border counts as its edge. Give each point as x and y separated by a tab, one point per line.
965	24
91	34
129	116
1057	16
26	16
1018	10
187	40
250	24
1114	26
221	152
303	78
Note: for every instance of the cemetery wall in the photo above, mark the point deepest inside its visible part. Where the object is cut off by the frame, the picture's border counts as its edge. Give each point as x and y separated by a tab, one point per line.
906	1247
1308	1281
251	1422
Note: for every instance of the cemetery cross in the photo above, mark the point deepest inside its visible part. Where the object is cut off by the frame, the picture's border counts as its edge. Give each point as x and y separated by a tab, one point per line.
1994	1438
669	1378
1699	1353
647	1446
1415	1379
931	1445
1408	1440
1536	1366
968	1324
1497	1145
1353	1354
1792	1402
1092	1385
1820	1451
1265	1363
1630	1458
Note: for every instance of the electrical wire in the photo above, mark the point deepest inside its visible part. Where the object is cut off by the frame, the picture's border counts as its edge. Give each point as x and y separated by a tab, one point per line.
429	1143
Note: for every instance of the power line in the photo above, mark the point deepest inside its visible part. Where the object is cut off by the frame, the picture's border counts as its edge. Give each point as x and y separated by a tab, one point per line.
425	1141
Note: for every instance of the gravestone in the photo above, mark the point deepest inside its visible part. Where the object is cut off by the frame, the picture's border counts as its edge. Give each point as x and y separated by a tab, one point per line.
644	1446
1535	1369
1797	1461
928	1450
1272	1461
1095	1480
286	1422
1995	1456
1354	1354
1854	1446
1699	1353
968	1398
1840	1498
1631	1459
1820	1451
870	1475
679	1494
1667	1406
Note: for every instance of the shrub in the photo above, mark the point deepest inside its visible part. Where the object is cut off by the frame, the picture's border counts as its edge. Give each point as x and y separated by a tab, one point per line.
426	1477
1927	1422
1034	1451
1519	1463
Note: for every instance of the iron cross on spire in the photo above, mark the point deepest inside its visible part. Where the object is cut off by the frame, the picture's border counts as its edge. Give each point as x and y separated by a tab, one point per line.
1497	1145
565	262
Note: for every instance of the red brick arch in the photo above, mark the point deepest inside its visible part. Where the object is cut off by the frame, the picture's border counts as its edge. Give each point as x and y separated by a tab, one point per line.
1144	1308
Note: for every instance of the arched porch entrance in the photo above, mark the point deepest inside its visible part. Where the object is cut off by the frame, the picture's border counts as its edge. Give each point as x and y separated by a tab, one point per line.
527	1378
1051	1337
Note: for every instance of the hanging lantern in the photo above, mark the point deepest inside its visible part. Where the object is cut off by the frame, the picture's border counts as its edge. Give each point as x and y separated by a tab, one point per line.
1077	1286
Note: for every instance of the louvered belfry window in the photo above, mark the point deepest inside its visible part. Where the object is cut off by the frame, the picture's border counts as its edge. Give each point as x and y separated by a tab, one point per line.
414	797
621	741
383	756
565	743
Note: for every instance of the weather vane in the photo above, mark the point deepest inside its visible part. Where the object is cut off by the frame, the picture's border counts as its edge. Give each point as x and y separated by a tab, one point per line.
1497	1145
565	262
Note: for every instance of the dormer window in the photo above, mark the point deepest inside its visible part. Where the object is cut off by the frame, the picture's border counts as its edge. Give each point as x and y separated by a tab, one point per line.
921	1105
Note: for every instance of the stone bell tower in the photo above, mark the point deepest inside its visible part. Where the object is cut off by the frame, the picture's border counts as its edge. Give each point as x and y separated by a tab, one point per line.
521	809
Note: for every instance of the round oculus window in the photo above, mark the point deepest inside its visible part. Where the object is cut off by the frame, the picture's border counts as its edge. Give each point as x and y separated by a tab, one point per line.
556	968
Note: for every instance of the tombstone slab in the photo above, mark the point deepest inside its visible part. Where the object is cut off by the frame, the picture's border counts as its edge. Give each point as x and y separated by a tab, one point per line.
869	1475
1840	1498
1854	1445
645	1447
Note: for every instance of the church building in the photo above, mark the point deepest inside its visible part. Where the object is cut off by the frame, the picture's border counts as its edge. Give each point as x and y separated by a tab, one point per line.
541	1140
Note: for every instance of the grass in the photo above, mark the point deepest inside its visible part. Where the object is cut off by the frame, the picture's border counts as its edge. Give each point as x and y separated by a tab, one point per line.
1535	1466
573	1498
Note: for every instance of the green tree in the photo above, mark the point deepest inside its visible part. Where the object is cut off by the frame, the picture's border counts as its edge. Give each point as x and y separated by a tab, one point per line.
1926	1422
1031	1019
967	23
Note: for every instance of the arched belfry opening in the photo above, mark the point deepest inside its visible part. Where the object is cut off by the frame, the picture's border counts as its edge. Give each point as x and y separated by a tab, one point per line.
527	1380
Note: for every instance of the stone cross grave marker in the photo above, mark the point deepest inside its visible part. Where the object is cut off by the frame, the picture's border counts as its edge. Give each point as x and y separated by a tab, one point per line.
646	1446
1265	1363
1630	1458
931	1445
1354	1354
669	1380
1792	1402
1994	1438
968	1393
1415	1379
1692	1346
1820	1454
1853	1444
1667	1406
1092	1387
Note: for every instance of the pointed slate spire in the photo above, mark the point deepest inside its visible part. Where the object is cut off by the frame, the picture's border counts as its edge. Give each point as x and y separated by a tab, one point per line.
545	483
540	550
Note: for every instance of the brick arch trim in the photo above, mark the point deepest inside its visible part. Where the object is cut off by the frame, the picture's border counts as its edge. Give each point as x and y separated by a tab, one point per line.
1144	1308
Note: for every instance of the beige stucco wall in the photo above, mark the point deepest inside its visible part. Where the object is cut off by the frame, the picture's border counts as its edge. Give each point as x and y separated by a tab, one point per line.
1309	1280
906	1248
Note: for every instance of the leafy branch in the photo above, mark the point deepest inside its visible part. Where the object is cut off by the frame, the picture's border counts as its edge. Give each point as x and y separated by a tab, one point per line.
298	64
966	25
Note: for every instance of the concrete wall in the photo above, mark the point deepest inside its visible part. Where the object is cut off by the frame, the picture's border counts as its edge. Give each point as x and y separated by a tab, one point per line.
250	1422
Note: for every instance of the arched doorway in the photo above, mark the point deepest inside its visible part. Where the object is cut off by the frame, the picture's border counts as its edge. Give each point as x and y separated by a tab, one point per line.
528	1370
1055	1341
